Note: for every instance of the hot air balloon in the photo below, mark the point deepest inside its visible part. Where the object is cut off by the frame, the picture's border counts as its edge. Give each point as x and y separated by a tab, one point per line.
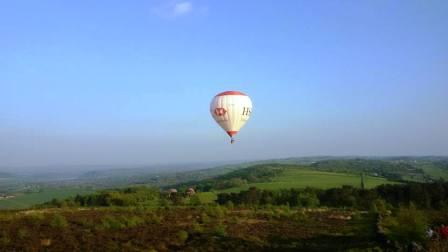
231	110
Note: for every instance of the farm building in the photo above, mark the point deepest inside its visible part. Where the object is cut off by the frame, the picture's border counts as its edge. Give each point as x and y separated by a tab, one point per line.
172	190
190	191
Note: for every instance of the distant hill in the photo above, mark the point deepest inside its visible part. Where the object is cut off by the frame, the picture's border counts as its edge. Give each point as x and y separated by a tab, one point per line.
379	168
294	172
325	172
6	175
392	168
124	177
280	176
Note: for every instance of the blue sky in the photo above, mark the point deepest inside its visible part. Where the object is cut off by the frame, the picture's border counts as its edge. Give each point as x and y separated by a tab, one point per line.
130	82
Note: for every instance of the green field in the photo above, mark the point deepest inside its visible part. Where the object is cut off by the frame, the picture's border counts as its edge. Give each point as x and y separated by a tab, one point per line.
301	178
435	172
290	178
25	200
207	197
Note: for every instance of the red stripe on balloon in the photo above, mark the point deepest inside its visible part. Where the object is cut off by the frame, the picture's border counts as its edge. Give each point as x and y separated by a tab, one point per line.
232	133
231	93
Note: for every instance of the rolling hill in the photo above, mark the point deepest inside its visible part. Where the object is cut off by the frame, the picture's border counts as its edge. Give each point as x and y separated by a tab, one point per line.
318	172
301	178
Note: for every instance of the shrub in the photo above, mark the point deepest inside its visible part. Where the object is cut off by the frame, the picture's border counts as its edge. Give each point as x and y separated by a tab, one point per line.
182	236
195	200
299	216
119	222
110	222
132	221
268	214
215	211
86	222
407	226
22	233
154	219
34	219
58	221
197	228
4	238
229	205
220	230
308	200
356	216
205	218
379	206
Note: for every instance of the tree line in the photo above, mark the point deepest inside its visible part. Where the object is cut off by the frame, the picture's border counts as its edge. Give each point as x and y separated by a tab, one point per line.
423	195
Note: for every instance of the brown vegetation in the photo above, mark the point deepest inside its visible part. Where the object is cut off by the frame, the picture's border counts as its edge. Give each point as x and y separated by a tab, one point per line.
189	229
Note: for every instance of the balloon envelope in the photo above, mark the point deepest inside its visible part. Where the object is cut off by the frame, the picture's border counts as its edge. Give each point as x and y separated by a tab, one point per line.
231	110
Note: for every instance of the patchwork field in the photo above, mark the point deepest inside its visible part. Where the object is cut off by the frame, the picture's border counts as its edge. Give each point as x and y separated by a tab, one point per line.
207	197
301	178
435	172
291	178
25	200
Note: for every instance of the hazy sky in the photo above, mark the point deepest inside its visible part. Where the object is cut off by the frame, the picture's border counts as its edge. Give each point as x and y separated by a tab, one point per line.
130	82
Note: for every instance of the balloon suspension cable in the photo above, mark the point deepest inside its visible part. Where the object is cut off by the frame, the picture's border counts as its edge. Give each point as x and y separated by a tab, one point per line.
232	140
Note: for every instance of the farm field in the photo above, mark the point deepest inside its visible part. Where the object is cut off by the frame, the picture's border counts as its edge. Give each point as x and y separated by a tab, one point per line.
301	178
207	197
435	172
26	200
290	178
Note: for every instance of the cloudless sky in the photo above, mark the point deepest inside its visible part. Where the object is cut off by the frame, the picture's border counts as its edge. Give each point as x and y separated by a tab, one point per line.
130	82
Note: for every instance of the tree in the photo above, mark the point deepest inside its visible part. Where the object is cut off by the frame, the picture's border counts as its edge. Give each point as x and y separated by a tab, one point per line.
363	186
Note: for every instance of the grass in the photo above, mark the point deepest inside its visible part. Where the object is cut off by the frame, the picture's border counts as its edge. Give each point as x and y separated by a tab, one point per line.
26	200
207	197
435	172
301	178
291	178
